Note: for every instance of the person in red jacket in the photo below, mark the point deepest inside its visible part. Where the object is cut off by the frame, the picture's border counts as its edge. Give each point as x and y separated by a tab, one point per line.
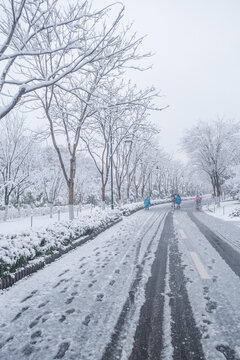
198	201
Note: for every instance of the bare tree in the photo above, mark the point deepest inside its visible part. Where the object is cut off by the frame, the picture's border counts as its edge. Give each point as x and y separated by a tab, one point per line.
15	157
68	105
212	149
106	135
61	39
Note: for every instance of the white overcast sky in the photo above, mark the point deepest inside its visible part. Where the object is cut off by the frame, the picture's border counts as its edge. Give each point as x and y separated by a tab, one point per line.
196	63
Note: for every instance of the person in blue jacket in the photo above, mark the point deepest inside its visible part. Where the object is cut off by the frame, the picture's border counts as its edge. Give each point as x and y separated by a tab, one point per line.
147	203
178	201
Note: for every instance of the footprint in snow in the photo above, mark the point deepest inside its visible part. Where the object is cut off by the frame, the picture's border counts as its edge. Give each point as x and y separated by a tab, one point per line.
210	306
64	272
36	334
62	350
87	320
91	284
59	283
62	318
27	350
205	290
100	297
64	290
43	304
20	313
8	339
29	296
35	322
70	311
69	300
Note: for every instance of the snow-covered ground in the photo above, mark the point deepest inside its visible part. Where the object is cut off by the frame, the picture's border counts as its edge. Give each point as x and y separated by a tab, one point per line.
18	225
70	308
224	211
73	304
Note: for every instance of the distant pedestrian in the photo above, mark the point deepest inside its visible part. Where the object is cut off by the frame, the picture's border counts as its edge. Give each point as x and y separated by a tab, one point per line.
198	202
178	201
147	203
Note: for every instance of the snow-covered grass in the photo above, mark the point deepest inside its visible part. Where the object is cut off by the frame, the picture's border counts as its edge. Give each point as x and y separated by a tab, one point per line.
28	211
17	225
229	210
18	248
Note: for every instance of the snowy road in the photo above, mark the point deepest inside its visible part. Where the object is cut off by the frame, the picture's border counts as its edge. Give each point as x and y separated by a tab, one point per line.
155	286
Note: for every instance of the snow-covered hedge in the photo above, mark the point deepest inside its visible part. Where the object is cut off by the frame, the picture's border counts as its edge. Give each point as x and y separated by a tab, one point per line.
235	213
17	250
127	209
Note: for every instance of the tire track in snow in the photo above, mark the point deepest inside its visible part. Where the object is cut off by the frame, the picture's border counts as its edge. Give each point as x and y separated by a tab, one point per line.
226	251
114	349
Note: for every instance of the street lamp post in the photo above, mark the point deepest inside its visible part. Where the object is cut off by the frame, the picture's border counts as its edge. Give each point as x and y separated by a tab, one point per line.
128	141
111	162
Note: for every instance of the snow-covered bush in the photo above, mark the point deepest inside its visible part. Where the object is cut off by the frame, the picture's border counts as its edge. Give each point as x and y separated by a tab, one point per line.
235	213
17	250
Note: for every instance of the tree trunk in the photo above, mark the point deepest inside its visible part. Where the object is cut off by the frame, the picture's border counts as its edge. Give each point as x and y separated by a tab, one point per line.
103	196
128	191
51	210
5	213
136	192
218	189
71	188
6	203
119	194
19	210
71	201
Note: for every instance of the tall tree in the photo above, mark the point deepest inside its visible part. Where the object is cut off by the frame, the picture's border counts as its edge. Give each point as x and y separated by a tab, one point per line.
213	148
67	105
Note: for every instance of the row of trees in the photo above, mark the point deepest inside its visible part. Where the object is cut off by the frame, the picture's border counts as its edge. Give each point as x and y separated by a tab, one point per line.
31	173
69	62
